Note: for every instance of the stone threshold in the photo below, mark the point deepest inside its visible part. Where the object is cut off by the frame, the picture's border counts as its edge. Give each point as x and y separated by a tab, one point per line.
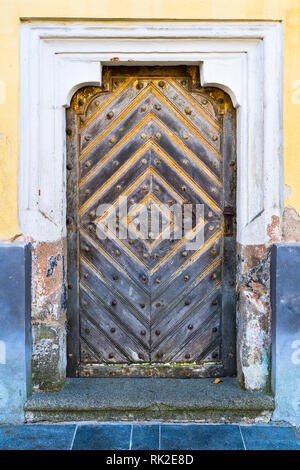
150	399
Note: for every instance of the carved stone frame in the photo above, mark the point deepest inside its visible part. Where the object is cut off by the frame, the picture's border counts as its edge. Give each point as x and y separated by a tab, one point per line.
57	58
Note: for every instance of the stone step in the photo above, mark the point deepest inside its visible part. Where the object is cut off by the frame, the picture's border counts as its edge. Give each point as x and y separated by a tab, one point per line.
153	399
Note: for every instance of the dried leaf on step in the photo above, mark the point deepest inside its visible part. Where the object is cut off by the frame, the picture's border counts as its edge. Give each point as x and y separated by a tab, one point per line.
217	381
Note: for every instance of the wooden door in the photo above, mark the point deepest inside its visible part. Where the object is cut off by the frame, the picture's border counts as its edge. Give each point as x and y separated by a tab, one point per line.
148	306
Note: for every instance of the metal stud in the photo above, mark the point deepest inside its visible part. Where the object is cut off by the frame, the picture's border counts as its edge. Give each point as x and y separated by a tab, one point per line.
144	188
157	162
112	330
214	276
231	283
184	254
183	188
157	107
80	102
161	83
214	165
69	131
215	329
143	332
187	302
158	304
213	251
112	140
156	255
143	108
110	355
214	190
91	228
114	303
210	214
214	302
184	162
70	286
118	187
187	374
215	355
115	278
215	137
144	279
157	135
142	305
86	248
185	136
187	356
131	201
231	163
144	161
115	163
117	253
70	355
69	220
87	192
87	138
87	164
143	135
86	276
86	304
110	115
92	214
159	355
97	103
87	331
186	278
141	356
157	332
145	255
204	101
69	166
188	110
139	85
211	227
157	281
156	188
131	242
190	327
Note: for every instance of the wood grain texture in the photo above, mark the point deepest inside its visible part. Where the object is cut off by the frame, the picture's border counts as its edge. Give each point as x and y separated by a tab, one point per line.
155	136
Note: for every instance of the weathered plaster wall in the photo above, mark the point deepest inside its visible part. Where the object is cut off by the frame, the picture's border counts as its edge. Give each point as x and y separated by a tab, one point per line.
286	10
48	316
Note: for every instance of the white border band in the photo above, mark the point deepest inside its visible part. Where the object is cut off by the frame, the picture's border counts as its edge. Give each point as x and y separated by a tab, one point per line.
244	59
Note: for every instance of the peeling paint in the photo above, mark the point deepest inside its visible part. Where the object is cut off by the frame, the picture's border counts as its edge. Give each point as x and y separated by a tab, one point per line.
274	230
254	316
291	225
49	298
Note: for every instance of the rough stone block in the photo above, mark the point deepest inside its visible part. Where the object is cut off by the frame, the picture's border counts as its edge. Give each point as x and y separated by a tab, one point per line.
285	289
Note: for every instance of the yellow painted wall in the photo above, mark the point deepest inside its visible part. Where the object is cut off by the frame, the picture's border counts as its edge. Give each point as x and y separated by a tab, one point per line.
12	10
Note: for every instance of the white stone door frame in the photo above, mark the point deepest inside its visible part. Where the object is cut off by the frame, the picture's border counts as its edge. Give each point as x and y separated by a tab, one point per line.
57	58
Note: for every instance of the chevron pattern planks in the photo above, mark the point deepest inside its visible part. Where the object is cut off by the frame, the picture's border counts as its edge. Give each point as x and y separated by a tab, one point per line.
146	303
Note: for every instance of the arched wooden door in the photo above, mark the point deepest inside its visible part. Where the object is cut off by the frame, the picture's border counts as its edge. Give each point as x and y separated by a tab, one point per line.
149	306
